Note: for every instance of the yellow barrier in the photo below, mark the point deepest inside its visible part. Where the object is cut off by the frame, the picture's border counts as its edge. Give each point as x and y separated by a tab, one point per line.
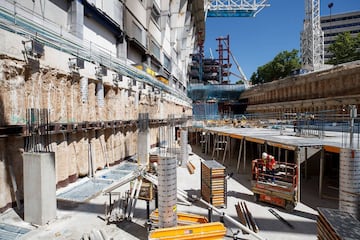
206	231
182	218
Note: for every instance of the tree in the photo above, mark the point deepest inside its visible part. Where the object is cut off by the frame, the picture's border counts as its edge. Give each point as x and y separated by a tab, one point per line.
345	48
281	66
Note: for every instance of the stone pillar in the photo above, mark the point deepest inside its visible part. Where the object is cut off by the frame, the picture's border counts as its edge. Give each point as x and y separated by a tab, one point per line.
39	187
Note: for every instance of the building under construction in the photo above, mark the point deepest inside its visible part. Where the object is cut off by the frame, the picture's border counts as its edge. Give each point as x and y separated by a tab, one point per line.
210	88
114	126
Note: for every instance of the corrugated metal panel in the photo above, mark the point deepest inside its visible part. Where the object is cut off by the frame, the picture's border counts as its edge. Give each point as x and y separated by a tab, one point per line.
10	232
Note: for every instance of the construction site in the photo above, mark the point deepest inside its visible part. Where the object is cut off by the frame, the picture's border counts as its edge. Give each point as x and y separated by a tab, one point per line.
113	125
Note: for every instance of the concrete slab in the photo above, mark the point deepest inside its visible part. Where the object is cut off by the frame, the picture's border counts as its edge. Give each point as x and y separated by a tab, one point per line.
287	136
73	221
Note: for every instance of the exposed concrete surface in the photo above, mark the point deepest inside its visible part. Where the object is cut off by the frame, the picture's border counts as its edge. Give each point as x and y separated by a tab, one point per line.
74	220
39	187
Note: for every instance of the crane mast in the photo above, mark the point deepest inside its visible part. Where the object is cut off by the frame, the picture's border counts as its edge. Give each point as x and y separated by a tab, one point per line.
312	37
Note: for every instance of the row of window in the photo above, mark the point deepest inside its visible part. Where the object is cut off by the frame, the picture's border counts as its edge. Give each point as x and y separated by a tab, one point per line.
336	19
342	26
354	32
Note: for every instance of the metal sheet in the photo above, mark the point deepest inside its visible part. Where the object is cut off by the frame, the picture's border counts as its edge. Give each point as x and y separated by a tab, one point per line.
85	191
167	192
10	232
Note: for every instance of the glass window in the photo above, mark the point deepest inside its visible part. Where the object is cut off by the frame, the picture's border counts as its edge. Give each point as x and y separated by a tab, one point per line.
155	49
155	14
167	63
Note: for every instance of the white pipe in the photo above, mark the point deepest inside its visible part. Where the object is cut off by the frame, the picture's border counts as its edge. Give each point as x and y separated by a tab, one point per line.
131	214
242	227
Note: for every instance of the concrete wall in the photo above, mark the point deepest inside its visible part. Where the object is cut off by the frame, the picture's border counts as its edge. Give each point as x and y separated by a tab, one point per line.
322	90
60	93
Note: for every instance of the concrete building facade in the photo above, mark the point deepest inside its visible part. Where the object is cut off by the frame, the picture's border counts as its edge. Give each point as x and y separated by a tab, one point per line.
333	25
93	66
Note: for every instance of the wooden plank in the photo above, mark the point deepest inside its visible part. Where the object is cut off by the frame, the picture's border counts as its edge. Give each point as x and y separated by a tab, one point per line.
255	140
331	149
236	136
281	145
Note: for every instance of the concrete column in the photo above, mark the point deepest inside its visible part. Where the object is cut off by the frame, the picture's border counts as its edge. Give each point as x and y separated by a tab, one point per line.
349	181
321	174
244	154
297	161
39	187
184	153
143	147
76	18
143	141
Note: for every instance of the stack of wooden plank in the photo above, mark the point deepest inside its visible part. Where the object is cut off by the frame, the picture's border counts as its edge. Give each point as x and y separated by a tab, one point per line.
213	183
336	224
246	217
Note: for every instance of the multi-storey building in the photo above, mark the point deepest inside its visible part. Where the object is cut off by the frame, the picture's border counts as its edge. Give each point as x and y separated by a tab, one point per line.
83	71
333	25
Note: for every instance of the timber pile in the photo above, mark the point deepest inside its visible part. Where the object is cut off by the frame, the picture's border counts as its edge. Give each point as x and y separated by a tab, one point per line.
334	224
213	183
246	217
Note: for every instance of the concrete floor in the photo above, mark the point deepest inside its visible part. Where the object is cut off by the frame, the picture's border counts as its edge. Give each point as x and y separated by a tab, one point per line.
74	220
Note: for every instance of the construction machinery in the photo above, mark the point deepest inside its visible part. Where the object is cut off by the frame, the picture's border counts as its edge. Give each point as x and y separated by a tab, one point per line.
278	186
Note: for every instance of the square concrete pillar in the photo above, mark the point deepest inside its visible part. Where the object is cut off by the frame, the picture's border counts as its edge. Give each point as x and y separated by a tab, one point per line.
39	187
143	147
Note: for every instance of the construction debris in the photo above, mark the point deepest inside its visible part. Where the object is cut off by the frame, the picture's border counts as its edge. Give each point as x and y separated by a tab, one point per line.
280	218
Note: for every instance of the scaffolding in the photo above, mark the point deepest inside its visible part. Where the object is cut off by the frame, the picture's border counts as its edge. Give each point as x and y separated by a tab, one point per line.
224	59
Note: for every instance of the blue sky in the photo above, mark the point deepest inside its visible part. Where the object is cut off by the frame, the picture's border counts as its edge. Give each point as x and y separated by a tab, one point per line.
256	41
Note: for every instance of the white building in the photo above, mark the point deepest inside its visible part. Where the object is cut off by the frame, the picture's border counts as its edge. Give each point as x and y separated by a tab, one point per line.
333	25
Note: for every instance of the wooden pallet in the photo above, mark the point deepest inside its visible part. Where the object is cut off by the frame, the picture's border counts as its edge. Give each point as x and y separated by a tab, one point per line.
333	224
213	183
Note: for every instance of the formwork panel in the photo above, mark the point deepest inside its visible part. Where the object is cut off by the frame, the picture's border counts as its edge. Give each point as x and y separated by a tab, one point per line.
213	183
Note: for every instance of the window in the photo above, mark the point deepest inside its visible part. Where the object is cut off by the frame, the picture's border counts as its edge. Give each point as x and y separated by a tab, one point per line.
136	32
155	14
155	49
167	63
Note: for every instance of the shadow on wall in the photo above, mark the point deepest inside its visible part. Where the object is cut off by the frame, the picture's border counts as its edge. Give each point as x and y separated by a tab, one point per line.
11	160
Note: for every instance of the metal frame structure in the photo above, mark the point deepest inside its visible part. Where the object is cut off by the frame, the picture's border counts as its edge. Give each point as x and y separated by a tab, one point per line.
312	37
235	8
224	58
